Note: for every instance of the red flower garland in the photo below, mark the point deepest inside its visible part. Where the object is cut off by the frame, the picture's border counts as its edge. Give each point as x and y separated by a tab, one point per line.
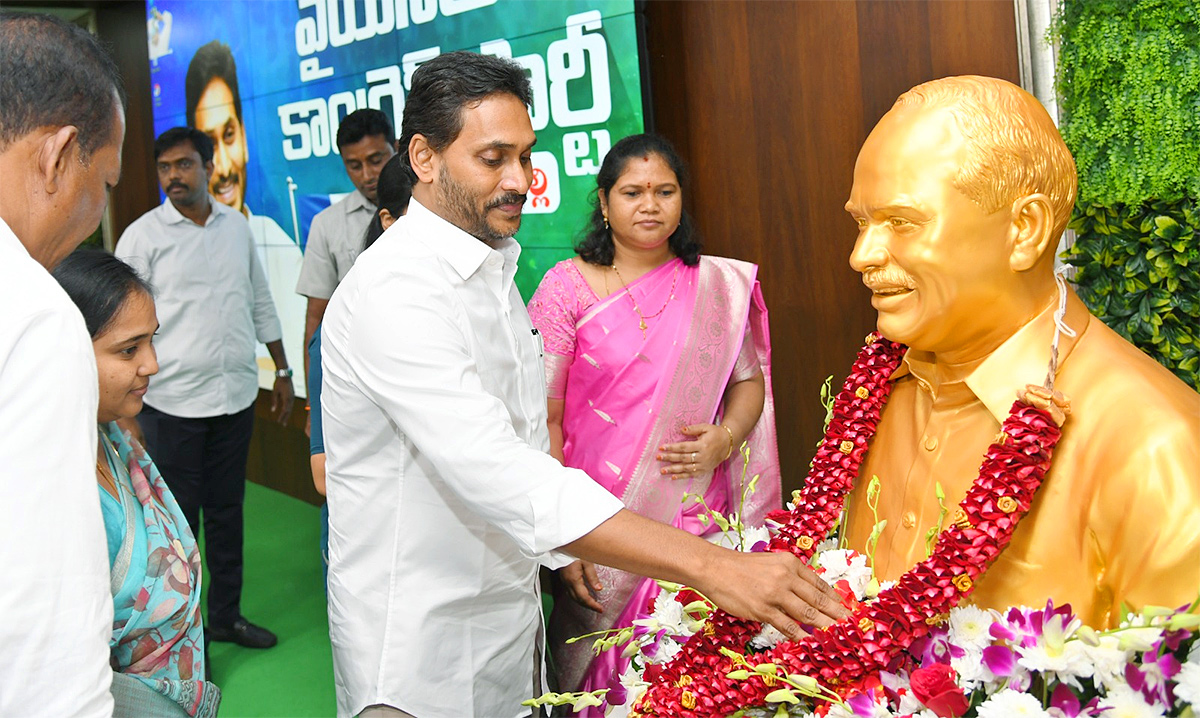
872	638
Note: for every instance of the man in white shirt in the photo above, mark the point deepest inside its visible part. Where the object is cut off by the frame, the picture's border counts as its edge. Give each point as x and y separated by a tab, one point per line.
366	142
62	123
213	304
443	499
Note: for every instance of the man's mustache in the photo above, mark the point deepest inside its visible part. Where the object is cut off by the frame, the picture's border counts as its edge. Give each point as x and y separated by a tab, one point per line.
176	185
506	199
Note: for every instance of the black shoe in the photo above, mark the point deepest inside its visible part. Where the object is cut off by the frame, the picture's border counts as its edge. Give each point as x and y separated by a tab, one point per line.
243	633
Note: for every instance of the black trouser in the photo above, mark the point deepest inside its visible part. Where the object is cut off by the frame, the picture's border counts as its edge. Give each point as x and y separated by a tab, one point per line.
203	462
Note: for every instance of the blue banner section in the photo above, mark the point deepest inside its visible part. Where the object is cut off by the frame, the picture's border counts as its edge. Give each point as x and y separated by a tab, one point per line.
270	81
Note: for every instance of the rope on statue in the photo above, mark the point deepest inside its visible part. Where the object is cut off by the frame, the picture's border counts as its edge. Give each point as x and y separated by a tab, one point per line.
1045	397
1060	327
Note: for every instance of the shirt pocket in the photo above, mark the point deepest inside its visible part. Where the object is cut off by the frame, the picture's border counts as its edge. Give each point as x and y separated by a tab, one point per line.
344	252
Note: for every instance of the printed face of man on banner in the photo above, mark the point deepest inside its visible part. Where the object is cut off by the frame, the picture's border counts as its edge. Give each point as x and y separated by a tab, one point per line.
215	108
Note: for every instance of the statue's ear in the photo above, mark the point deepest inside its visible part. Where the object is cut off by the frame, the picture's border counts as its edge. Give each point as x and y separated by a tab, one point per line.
1031	234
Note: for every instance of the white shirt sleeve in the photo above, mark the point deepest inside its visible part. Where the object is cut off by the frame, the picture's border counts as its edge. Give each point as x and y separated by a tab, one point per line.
129	249
55	606
266	320
417	365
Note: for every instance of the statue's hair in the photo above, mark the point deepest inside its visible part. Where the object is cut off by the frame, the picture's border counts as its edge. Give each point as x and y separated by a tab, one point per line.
1013	147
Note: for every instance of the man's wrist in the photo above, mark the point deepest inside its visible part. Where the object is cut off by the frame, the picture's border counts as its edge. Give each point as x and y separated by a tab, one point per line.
284	373
699	561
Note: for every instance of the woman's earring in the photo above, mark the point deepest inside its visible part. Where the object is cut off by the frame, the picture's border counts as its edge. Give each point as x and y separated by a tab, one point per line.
606	221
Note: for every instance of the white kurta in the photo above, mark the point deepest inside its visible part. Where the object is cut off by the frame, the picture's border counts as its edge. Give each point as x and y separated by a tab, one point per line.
442	499
56	611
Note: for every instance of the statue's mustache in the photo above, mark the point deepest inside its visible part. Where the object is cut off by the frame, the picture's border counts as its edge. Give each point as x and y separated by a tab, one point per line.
887	278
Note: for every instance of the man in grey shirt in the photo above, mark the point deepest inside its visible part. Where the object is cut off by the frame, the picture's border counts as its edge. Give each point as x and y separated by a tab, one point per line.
366	141
213	305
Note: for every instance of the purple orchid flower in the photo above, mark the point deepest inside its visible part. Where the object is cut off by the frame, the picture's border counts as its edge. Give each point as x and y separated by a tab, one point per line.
617	694
1153	678
939	649
1174	639
650	647
1015	627
1065	701
862	704
1000	660
1024	627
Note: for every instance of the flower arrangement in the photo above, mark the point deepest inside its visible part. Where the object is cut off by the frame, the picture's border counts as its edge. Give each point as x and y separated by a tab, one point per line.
977	663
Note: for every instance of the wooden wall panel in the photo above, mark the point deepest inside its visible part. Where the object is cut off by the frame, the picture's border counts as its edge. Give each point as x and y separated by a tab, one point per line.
880	22
279	454
976	38
122	24
769	103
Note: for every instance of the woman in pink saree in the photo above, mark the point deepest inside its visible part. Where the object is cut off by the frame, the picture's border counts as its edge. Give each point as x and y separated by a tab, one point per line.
657	369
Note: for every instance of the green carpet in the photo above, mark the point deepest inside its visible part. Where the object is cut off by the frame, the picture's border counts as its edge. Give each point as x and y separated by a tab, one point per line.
284	592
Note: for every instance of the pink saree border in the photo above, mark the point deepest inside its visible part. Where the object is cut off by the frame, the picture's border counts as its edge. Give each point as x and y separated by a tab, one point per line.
726	292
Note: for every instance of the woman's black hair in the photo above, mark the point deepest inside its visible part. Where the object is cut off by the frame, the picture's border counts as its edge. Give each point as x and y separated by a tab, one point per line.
596	247
394	191
99	284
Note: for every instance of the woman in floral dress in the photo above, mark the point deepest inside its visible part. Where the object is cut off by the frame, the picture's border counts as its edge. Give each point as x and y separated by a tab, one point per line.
157	641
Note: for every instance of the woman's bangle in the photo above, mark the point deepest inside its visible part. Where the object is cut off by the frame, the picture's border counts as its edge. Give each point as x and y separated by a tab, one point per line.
730	452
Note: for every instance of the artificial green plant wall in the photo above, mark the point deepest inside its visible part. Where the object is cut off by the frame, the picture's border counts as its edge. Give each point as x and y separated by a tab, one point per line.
1129	80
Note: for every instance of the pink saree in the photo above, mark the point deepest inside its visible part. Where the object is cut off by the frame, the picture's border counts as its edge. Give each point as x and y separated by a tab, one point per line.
626	392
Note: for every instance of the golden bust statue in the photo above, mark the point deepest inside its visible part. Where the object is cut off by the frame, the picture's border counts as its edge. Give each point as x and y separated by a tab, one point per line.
961	193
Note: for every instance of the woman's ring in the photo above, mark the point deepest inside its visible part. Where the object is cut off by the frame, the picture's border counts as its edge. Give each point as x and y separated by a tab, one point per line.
693	457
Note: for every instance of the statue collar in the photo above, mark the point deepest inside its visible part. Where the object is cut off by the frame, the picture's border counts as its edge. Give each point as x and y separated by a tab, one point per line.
1019	361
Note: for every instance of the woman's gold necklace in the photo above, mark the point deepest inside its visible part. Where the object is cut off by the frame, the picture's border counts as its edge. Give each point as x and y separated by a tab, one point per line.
107	481
642	317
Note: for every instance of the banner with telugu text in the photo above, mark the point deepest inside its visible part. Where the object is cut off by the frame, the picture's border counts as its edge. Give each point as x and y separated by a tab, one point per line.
303	65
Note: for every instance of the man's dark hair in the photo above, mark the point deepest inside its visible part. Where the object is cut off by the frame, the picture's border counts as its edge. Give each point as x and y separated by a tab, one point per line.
211	62
395	190
179	135
447	83
596	247
54	73
99	284
365	123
